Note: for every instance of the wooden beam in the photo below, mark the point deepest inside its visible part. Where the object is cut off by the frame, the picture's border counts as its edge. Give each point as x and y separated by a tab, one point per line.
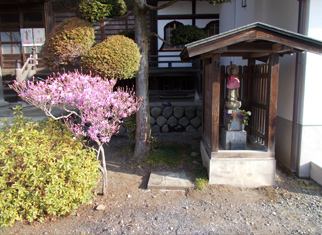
211	46
207	55
183	17
215	107
258	55
272	101
251	47
289	41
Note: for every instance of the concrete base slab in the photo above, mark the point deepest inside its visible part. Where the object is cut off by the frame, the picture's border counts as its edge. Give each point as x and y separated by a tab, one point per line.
316	172
170	180
250	172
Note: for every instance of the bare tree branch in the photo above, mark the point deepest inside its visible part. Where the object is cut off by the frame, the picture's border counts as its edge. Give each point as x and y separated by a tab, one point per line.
155	8
158	36
106	20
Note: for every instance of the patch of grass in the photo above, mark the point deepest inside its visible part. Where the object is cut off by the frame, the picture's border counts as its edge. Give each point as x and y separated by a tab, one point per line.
201	178
128	149
170	154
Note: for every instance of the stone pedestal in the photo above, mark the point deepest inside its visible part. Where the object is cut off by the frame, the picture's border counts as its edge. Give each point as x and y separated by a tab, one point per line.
233	140
233	136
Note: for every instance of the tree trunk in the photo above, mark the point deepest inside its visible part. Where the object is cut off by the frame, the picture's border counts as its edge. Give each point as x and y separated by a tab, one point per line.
103	166
143	132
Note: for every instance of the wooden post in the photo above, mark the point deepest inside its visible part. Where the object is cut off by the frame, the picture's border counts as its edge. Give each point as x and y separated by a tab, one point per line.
272	101
1	87
18	71
215	102
102	25
251	65
205	124
49	16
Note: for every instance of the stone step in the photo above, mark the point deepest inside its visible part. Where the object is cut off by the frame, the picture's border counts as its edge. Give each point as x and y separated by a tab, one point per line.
170	180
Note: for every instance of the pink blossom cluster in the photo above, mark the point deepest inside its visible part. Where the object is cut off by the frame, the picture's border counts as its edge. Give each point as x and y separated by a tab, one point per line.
92	99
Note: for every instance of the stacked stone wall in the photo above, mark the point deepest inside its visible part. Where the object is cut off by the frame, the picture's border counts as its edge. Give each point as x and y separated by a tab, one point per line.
174	119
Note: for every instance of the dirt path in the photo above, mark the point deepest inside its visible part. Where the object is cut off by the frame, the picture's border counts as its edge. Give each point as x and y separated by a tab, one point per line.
292	206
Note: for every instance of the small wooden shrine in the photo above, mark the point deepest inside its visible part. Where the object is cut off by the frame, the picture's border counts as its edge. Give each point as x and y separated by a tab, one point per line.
254	166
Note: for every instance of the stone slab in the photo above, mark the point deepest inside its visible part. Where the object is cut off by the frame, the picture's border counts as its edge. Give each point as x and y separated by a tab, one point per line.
238	146
170	180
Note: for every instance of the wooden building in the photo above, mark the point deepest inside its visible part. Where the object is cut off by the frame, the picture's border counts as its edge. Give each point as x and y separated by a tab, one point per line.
167	75
254	166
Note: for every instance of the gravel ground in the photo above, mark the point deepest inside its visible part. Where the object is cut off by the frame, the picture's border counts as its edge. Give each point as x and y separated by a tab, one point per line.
292	206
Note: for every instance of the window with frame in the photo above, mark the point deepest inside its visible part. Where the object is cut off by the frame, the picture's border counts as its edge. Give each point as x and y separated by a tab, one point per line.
10	42
167	36
212	28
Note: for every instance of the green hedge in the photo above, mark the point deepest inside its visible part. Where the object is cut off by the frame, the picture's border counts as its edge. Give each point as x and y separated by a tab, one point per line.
97	10
43	172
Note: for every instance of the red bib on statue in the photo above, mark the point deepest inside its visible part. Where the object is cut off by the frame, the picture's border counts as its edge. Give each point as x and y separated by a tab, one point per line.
233	82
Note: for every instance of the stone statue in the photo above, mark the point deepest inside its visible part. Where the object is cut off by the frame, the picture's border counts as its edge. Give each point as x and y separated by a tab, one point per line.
233	85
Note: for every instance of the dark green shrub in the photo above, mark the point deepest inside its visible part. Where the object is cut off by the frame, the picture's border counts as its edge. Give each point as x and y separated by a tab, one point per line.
67	42
219	1
116	57
128	33
43	172
96	10
185	34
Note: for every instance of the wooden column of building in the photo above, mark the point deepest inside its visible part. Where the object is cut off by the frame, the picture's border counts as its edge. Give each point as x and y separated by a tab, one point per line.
272	101
215	107
251	65
49	17
205	104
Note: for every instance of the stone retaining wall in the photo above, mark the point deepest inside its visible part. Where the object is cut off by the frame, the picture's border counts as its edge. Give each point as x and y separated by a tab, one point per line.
174	119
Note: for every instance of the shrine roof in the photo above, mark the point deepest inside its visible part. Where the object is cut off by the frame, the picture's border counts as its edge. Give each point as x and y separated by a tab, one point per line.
256	40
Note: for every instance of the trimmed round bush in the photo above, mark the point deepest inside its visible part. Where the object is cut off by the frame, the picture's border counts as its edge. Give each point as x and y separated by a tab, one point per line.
117	57
96	10
67	42
43	172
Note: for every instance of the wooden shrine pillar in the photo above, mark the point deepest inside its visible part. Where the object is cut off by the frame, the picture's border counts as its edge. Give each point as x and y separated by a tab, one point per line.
215	109
272	101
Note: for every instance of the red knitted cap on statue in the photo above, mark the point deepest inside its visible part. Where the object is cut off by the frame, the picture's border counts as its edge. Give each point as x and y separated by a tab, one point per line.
233	82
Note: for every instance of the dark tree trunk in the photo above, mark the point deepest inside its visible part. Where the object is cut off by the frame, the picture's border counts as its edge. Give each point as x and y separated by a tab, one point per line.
142	80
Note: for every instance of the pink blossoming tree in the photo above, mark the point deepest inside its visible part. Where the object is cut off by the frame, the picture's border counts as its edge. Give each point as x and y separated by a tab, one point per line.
91	99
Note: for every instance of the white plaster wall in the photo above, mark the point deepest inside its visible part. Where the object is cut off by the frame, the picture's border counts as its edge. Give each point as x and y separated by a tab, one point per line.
179	8
311	149
312	115
203	7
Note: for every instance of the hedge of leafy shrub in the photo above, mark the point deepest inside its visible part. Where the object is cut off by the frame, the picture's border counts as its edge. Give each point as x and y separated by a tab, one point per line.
185	34
43	172
67	42
96	10
127	33
117	57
